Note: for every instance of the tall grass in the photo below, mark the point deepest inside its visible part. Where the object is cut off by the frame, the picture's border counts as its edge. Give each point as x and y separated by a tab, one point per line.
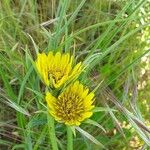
106	36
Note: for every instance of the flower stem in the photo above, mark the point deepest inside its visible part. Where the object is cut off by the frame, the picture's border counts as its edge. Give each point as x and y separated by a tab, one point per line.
51	127
69	138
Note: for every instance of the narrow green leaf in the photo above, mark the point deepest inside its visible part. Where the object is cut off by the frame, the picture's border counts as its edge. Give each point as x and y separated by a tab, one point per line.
73	130
89	136
99	109
92	122
35	46
17	107
23	84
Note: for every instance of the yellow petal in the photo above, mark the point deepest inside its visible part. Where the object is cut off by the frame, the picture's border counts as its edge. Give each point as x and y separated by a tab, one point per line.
87	115
77	69
50	99
84	94
60	82
42	67
57	58
90	96
50	60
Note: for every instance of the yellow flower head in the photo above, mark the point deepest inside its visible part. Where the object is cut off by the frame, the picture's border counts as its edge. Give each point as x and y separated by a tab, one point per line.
72	106
56	69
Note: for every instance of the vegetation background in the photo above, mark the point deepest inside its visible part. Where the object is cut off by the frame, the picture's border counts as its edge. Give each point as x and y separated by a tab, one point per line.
110	36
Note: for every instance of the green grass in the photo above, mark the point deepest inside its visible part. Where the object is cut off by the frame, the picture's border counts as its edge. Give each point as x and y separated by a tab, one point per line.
110	37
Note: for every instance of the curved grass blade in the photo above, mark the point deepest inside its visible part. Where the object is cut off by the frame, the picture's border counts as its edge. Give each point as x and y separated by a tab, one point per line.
90	137
99	109
92	122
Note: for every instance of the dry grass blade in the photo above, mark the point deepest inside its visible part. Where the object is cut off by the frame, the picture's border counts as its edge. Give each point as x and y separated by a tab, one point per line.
119	128
12	104
140	127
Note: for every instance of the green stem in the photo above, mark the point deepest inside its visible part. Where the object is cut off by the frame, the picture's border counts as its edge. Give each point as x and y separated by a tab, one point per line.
69	138
51	127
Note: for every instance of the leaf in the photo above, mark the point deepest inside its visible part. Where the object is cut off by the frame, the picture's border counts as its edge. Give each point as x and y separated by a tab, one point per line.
89	136
37	120
12	104
17	107
18	146
91	58
73	130
35	46
115	121
21	91
133	120
97	87
36	92
92	122
72	17
99	109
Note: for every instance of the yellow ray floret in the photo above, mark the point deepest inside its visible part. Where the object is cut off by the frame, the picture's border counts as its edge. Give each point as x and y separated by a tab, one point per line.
56	69
72	106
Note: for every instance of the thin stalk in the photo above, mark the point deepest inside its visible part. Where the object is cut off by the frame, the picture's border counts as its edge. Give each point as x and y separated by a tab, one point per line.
51	127
69	138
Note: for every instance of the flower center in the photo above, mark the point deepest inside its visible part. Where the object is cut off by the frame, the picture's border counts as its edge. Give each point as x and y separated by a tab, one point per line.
69	107
56	75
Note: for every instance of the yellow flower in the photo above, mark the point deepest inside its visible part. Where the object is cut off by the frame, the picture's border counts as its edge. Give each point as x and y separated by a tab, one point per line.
72	106
56	69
